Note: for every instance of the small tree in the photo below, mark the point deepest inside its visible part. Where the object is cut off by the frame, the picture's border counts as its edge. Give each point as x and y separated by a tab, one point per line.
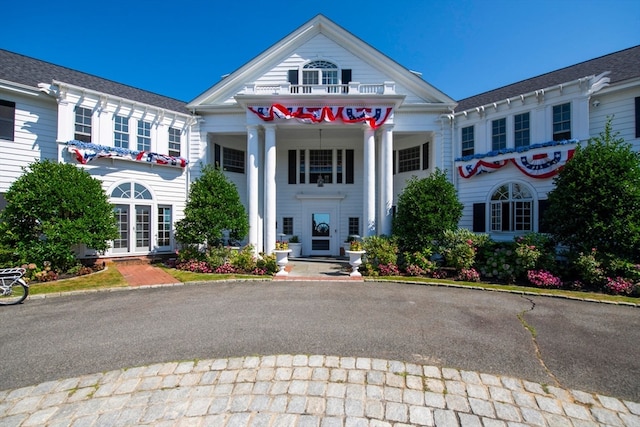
596	200
213	207
426	208
52	208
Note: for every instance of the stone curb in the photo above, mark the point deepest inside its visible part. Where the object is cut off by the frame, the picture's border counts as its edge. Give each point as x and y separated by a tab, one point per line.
303	390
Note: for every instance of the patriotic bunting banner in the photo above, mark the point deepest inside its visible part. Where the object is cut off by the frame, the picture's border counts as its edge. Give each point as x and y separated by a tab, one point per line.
374	116
541	165
86	152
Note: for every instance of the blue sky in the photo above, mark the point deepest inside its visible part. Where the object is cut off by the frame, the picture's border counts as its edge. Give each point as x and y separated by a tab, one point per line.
180	49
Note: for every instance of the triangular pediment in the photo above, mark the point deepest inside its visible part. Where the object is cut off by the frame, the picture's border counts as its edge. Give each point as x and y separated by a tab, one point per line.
320	39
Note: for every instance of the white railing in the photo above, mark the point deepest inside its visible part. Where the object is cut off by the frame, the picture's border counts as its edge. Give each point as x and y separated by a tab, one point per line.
353	88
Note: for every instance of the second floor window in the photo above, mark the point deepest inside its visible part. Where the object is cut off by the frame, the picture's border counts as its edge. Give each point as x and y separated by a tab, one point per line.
7	119
468	141
174	142
319	72
521	130
499	134
82	125
144	136
562	122
121	132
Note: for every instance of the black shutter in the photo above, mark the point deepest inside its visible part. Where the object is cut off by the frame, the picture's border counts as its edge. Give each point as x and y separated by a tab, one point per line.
346	79
542	209
349	166
293	77
216	156
638	117
425	156
394	162
479	218
292	166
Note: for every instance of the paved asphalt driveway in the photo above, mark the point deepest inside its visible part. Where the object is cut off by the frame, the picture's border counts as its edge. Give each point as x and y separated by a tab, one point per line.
586	346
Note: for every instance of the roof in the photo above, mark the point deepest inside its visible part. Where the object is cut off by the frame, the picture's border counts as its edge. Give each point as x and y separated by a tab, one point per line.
29	71
623	65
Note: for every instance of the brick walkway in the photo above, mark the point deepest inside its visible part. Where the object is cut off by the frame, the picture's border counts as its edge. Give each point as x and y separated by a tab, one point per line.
145	275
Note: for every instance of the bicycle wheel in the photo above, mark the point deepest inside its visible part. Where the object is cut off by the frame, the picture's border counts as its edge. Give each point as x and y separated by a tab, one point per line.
14	295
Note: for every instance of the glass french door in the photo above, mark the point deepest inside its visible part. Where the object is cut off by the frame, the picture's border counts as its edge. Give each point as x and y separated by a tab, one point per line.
134	228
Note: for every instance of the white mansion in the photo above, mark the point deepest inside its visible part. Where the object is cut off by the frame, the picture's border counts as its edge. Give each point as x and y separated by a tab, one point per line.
319	133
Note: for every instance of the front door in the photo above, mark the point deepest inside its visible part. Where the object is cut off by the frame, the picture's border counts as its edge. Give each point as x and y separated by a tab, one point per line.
322	231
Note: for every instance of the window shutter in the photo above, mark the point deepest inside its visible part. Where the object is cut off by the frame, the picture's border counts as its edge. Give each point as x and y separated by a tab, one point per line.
425	156
292	166
394	162
638	117
217	161
293	77
479	218
542	209
349	166
346	79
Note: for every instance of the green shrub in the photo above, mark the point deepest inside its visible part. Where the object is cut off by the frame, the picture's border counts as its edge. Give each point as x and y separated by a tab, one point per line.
425	209
381	250
419	263
458	247
244	260
51	209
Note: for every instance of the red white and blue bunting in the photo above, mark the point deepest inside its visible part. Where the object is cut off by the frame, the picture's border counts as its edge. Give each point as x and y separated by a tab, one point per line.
373	116
539	165
86	152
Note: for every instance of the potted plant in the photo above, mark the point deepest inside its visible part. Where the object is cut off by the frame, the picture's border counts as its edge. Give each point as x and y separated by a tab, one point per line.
282	251
295	246
347	244
355	252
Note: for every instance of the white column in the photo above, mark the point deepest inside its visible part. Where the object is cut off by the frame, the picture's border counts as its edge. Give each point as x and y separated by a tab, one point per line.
369	178
386	172
252	185
270	188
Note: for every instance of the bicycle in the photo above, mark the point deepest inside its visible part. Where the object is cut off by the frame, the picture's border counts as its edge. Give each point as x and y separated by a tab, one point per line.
13	289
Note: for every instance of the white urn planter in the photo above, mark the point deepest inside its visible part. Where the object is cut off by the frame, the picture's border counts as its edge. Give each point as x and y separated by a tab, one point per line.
296	250
355	260
282	261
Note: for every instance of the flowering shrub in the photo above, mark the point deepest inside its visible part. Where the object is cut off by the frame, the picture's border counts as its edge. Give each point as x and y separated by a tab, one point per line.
244	260
388	269
459	247
267	263
619	285
500	264
419	263
589	268
469	275
194	266
259	271
225	268
543	279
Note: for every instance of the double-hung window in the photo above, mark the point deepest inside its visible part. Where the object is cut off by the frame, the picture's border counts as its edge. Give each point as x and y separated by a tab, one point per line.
121	132
521	128
144	136
174	142
468	141
82	125
499	134
7	119
562	122
409	159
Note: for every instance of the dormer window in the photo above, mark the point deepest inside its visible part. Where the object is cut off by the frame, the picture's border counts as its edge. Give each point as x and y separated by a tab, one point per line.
320	73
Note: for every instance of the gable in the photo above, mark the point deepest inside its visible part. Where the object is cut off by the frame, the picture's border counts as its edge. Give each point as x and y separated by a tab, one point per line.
320	39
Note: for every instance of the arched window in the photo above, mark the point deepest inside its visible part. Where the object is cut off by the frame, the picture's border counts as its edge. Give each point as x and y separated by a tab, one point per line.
512	208
319	73
131	190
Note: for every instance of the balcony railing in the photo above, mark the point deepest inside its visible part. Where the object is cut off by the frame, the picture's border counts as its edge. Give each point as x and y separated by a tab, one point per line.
353	88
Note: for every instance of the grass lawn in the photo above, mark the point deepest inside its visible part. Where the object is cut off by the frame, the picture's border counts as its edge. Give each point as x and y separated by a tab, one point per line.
111	278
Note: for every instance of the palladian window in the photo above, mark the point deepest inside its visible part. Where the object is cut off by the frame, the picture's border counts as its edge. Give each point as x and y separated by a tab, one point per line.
512	208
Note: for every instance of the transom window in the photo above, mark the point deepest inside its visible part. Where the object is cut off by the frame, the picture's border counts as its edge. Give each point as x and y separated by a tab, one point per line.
121	132
409	159
499	134
174	142
562	122
131	190
512	208
521	130
468	141
82	125
144	136
7	119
